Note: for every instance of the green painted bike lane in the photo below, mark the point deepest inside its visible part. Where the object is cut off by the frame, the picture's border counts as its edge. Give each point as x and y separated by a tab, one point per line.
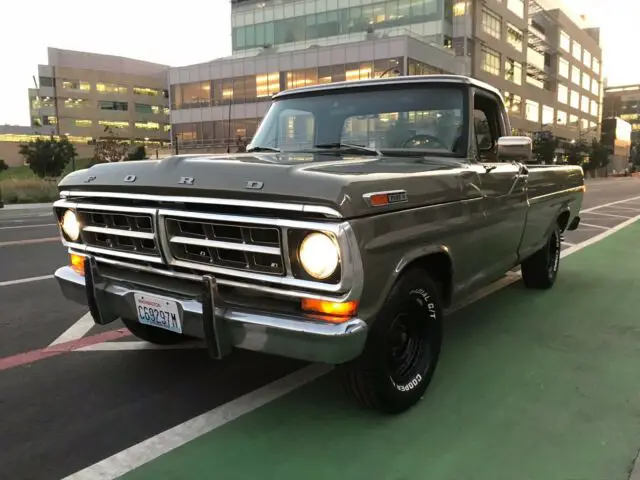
531	386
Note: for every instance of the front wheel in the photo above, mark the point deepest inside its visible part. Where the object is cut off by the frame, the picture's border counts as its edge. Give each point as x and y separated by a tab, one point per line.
540	270
153	335
402	349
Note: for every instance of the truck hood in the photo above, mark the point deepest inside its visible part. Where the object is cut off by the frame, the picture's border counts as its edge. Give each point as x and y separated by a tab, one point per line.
335	180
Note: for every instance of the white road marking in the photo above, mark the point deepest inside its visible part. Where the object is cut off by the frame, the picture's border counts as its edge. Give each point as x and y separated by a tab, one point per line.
587	210
76	331
568	244
619	207
153	447
8	283
608	215
31	241
29	226
591	225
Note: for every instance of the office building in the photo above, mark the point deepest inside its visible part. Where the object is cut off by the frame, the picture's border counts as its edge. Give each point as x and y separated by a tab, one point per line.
624	102
81	94
546	63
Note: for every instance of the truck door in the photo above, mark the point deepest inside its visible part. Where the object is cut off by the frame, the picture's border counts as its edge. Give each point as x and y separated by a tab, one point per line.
503	188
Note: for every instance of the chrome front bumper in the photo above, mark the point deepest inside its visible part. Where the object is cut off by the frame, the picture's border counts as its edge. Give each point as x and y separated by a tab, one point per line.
229	327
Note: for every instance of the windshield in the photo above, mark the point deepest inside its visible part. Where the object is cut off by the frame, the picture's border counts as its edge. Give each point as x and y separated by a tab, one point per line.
421	119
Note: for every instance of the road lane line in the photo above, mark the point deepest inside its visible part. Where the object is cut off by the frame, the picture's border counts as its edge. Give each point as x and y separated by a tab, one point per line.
631	209
591	209
30	242
151	448
591	225
42	353
608	215
568	244
137	455
8	283
76	331
15	227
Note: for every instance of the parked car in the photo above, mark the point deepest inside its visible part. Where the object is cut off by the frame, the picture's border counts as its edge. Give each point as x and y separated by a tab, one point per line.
312	247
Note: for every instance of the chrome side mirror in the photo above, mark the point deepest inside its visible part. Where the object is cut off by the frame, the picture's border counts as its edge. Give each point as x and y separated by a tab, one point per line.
519	149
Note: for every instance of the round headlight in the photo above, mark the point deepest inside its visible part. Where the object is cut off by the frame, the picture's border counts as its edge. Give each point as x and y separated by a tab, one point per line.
71	226
319	255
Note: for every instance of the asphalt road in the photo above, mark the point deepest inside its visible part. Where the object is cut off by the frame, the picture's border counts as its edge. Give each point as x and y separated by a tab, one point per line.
64	412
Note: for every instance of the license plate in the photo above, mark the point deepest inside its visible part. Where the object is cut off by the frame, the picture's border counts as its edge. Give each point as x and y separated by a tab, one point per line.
158	312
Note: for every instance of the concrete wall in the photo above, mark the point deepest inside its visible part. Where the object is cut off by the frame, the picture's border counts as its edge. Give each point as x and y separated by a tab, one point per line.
9	153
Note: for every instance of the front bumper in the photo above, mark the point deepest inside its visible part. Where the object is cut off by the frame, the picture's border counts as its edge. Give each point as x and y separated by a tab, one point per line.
229	327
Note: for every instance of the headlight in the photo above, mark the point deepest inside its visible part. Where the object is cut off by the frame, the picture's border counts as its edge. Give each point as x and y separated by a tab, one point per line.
319	255
71	226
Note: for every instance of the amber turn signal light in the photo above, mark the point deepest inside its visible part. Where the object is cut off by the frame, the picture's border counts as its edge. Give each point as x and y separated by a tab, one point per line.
331	309
77	263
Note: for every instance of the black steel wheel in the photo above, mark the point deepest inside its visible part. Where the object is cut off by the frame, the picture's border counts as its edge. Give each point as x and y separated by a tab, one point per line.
403	347
540	270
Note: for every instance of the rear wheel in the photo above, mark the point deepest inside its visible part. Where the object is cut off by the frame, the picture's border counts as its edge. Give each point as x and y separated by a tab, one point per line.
540	270
151	334
402	349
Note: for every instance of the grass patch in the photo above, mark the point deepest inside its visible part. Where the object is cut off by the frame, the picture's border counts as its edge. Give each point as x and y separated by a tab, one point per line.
21	185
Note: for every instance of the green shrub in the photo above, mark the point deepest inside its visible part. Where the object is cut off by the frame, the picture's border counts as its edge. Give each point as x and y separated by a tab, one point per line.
28	190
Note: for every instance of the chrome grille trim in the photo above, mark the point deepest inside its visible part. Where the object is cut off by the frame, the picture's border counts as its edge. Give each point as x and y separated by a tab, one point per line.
120	232
242	247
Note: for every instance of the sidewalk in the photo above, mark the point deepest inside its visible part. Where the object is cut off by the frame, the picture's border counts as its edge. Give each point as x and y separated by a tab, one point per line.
28	206
531	386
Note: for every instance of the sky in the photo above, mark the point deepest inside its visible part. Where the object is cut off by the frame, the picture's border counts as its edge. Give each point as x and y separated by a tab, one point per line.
185	32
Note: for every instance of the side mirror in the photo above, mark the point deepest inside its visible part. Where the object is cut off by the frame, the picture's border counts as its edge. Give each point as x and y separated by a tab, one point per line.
518	149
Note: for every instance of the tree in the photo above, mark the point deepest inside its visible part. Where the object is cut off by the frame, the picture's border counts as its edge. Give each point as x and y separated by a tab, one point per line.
48	158
110	148
544	147
577	151
598	156
138	153
3	165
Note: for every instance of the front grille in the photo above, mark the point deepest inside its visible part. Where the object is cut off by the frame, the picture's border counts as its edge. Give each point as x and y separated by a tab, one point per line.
226	244
121	232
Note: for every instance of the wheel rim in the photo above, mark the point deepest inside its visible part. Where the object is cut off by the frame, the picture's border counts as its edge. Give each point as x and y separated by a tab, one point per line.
554	255
409	347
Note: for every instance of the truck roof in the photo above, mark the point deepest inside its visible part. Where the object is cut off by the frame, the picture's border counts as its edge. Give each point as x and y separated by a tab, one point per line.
413	79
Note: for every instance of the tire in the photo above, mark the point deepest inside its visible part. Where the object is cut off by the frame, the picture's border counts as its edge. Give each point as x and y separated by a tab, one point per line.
410	320
540	270
154	335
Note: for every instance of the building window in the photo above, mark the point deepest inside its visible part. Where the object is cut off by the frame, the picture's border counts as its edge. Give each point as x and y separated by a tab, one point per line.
586	81
573	120
490	61
77	85
513	103
584	123
576	50
596	65
119	106
491	24
563	93
586	58
513	71
111	124
563	67
151	92
76	103
594	108
584	104
561	117
575	99
565	42
151	109
267	84
532	111
459	9
595	87
515	37
517	7
47	82
78	122
547	115
147	125
575	75
110	88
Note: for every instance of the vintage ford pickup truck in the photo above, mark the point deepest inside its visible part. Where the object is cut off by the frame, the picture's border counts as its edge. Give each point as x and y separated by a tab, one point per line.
359	213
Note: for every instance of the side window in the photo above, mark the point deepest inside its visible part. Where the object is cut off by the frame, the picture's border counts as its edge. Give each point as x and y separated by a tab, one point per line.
486	118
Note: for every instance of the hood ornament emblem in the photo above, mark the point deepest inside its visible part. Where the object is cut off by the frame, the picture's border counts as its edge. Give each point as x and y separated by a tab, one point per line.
130	178
254	185
186	180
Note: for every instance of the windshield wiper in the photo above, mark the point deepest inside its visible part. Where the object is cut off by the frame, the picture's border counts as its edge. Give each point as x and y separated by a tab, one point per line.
349	146
262	149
